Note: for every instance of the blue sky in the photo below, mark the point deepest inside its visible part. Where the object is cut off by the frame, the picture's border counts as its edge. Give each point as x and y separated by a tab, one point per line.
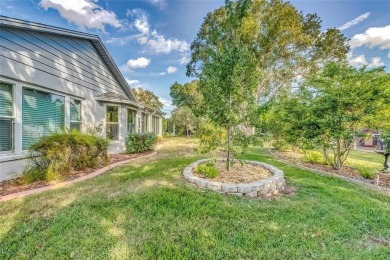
150	39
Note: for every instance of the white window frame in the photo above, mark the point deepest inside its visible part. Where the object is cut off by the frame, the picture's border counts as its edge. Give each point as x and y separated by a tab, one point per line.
127	119
12	151
112	123
81	113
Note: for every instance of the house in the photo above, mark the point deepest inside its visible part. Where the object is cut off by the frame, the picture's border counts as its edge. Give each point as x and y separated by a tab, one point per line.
53	78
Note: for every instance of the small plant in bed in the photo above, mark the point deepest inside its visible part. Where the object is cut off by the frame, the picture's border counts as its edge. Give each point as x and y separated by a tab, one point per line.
208	170
365	172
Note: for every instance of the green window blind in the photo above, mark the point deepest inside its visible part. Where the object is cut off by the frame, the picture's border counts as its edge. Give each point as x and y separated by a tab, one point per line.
42	114
6	100
75	115
6	117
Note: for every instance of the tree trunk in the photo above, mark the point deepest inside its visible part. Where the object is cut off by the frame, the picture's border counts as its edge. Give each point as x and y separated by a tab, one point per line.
228	150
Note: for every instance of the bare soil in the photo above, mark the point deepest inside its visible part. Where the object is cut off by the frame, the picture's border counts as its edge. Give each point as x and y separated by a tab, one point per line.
17	185
238	173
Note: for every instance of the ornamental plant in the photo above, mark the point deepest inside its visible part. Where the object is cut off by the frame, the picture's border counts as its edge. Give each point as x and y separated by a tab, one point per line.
137	143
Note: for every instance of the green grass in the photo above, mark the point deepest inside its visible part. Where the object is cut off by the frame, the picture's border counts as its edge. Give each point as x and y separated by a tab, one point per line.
373	161
145	210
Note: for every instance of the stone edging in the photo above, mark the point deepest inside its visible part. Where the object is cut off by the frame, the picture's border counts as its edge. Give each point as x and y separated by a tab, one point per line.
67	183
319	172
266	187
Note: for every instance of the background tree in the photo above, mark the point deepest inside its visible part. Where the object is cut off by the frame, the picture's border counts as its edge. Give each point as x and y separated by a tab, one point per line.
332	106
286	44
183	117
187	95
148	98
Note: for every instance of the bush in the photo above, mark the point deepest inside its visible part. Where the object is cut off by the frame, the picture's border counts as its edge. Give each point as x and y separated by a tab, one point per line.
365	172
58	153
314	157
137	143
208	170
168	135
280	145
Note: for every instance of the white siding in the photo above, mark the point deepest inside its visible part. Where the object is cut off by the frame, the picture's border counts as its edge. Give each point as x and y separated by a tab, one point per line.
47	56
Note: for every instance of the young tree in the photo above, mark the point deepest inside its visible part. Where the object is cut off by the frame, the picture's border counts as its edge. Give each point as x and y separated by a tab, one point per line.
148	98
340	100
229	77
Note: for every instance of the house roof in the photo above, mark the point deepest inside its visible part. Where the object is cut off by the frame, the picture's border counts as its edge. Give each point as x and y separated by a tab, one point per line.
116	98
96	41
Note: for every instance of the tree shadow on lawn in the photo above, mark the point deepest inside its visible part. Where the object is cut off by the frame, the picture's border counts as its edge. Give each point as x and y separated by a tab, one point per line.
146	210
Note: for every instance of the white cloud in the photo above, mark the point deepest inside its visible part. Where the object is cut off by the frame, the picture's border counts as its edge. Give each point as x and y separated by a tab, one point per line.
132	81
355	21
376	62
154	41
159	3
159	44
171	69
372	37
358	61
83	13
184	58
138	63
162	73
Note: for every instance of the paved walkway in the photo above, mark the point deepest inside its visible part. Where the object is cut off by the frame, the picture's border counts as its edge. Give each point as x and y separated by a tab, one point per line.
67	183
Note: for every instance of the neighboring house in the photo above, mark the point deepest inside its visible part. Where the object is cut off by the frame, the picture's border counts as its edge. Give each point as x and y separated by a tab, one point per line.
53	78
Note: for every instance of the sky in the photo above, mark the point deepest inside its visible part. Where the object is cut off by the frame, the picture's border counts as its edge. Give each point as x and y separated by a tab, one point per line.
150	39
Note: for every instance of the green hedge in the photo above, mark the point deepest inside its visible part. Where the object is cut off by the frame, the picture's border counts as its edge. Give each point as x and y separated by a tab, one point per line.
137	143
59	153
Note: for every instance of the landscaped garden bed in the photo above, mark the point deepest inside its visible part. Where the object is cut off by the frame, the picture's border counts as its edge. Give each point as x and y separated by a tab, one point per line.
348	172
19	184
246	178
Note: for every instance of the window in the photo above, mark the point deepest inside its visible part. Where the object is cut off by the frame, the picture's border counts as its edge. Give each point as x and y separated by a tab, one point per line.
144	123
6	117
112	125
130	120
42	113
155	124
75	114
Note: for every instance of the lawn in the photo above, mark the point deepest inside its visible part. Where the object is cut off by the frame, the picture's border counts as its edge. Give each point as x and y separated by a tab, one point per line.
373	161
145	210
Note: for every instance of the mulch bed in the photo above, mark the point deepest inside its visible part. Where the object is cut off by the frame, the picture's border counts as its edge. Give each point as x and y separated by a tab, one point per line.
16	185
246	173
349	172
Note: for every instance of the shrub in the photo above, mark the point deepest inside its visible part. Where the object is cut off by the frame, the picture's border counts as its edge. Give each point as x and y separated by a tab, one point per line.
137	143
365	172
58	153
280	145
314	157
208	170
159	139
168	135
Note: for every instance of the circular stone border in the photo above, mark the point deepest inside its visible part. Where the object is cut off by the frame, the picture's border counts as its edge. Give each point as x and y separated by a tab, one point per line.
261	188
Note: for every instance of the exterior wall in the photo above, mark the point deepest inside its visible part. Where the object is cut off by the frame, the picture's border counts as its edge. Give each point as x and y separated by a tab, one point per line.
66	66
